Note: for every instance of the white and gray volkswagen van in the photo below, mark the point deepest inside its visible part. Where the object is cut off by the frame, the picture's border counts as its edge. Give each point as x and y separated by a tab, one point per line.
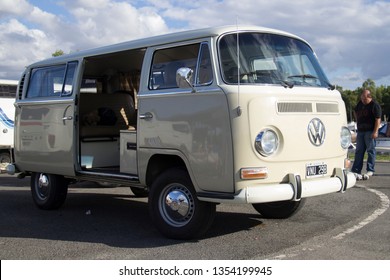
191	119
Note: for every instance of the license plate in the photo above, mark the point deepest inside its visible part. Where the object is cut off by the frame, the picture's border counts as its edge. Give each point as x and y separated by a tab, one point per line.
316	169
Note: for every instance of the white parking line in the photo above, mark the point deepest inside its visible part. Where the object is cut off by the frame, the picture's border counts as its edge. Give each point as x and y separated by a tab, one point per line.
294	253
385	203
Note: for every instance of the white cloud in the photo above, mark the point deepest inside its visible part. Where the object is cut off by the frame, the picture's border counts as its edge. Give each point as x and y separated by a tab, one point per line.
349	35
91	3
14	7
28	33
48	22
346	77
17	42
113	22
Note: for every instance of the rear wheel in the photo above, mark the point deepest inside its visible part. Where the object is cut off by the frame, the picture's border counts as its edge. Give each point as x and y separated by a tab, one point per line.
5	158
278	209
175	209
48	191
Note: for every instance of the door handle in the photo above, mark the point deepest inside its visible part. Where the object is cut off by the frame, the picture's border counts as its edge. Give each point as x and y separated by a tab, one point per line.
67	118
146	116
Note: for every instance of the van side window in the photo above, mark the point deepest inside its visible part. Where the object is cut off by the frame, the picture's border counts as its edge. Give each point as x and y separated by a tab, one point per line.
68	84
51	81
167	61
205	72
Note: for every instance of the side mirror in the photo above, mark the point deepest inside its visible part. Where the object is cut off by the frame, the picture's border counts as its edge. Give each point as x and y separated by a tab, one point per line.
184	77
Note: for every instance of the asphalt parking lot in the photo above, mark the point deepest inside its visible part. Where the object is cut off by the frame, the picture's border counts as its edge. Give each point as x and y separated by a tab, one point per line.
110	223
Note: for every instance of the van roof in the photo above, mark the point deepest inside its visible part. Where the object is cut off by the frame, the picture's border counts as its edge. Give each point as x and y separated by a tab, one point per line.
162	39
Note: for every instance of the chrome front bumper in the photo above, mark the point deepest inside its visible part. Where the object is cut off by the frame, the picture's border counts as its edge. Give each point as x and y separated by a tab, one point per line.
295	189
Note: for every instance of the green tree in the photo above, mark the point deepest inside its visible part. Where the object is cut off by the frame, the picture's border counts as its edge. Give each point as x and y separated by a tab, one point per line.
380	93
350	98
386	102
369	84
58	52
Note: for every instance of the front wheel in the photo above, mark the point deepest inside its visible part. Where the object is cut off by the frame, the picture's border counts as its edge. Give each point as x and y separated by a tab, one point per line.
278	209
48	191
175	209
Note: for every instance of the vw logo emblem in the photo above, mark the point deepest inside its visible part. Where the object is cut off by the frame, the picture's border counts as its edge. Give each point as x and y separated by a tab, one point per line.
316	132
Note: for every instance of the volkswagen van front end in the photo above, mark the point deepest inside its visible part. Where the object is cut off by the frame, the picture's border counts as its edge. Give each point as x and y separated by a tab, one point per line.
289	126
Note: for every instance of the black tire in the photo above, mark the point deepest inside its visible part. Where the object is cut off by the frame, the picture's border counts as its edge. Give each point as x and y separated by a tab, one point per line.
185	217
48	191
140	192
5	158
278	209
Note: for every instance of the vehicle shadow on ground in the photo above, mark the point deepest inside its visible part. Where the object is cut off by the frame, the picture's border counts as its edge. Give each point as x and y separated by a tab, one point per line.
381	175
113	219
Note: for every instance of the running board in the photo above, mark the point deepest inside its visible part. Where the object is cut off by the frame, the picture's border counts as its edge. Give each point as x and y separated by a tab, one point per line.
119	178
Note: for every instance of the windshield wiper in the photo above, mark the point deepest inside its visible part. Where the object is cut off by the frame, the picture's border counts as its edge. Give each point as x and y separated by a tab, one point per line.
309	76
284	83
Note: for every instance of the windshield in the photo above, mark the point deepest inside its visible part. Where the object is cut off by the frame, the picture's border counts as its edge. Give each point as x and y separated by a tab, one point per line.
269	59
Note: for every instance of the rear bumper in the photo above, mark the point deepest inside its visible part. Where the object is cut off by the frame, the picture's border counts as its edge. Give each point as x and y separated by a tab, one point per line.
295	189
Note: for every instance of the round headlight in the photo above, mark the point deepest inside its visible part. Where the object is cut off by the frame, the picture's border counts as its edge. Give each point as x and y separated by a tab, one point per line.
266	142
345	137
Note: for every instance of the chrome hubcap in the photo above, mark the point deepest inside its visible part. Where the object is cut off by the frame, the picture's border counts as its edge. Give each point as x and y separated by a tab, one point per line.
43	186
177	205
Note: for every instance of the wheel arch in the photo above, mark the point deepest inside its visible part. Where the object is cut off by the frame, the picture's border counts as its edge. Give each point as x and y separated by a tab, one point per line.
5	156
159	163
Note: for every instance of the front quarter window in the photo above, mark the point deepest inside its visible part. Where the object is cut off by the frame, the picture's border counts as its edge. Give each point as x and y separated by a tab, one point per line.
269	59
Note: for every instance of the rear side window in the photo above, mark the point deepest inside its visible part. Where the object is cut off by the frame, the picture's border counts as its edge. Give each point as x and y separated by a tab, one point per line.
167	61
52	81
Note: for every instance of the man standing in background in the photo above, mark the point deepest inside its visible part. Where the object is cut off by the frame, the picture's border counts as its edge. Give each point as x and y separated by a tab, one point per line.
368	117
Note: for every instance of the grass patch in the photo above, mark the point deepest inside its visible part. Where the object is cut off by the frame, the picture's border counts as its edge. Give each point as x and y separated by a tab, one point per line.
379	156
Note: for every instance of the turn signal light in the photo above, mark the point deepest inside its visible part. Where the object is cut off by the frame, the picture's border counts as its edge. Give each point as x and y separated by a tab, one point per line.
347	163
254	173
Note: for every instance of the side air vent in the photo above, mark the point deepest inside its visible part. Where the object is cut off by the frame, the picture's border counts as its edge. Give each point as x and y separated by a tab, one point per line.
20	89
327	107
290	107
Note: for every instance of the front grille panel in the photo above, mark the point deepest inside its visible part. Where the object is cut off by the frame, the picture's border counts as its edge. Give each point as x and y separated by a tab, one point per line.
327	107
307	107
292	107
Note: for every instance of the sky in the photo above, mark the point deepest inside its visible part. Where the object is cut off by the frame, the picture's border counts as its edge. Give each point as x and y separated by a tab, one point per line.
351	38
